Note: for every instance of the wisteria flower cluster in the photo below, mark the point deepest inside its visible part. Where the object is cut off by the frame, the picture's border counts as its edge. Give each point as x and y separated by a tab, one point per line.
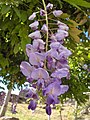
48	59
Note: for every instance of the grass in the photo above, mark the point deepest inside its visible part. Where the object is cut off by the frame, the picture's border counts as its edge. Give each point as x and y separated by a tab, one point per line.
39	114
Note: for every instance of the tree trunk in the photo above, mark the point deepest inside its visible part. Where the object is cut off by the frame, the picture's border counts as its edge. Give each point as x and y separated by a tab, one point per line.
5	104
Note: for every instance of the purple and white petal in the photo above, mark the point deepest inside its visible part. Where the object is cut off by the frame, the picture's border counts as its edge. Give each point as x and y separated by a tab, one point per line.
64	88
34	25
35	35
38	44
40	73
57	13
49	6
32	16
26	68
42	12
60	73
44	28
62	26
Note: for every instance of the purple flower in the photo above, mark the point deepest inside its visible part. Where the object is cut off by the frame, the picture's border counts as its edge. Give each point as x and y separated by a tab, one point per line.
62	26
32	105
48	109
38	44
49	6
34	25
61	34
32	16
50	62
26	68
30	49
54	45
52	99
44	28
32	93
42	12
35	35
57	13
40	73
36	58
53	89
52	92
53	38
64	88
60	73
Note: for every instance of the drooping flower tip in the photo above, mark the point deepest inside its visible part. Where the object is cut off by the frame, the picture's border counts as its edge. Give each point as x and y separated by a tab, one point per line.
32	105
32	16
49	6
48	109
57	13
34	25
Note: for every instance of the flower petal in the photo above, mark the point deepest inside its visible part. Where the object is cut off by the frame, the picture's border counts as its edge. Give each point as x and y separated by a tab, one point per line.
40	73
26	68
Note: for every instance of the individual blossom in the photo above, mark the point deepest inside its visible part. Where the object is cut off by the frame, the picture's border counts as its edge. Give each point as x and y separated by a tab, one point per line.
49	6
32	16
32	93
30	49
60	73
62	26
40	75
39	44
42	12
57	13
53	38
36	59
34	25
44	28
60	35
35	35
53	90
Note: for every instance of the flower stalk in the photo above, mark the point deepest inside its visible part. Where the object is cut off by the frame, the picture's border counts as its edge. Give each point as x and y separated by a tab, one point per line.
46	17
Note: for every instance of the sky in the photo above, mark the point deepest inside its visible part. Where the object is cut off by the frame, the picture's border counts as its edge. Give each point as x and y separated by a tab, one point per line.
15	91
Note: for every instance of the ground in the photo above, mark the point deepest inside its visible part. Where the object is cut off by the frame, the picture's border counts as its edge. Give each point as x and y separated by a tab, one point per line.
67	113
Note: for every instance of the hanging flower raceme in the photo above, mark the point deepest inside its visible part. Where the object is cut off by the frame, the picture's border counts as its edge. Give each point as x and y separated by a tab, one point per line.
48	59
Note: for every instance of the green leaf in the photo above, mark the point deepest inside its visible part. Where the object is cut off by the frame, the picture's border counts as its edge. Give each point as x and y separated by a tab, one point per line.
82	3
16	48
3	61
5	9
23	16
17	12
